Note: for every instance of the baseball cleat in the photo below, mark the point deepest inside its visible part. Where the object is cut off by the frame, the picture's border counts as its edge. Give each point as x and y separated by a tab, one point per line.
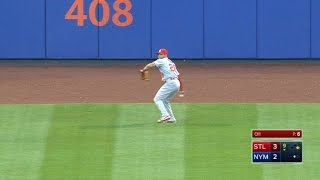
169	121
163	119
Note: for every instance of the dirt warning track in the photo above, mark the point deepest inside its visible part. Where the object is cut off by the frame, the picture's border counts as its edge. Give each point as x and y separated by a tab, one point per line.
120	83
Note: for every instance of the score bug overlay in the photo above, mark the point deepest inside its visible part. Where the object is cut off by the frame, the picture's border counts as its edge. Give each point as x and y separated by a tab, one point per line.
282	151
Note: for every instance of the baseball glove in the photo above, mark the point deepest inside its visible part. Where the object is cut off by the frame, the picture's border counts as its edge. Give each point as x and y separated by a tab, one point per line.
144	75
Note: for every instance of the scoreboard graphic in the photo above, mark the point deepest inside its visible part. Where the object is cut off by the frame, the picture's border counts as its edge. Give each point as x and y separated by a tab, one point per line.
278	146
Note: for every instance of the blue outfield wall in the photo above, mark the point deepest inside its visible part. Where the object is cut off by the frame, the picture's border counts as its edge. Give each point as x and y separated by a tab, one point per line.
315	29
136	29
134	41
230	28
178	26
22	32
64	39
283	29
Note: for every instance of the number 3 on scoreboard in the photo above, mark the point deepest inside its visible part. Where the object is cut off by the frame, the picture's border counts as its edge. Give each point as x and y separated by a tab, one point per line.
275	146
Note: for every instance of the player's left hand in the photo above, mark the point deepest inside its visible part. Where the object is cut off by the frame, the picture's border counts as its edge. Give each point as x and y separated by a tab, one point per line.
144	75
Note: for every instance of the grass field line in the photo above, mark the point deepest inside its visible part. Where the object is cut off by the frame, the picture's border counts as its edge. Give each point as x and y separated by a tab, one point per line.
24	130
144	149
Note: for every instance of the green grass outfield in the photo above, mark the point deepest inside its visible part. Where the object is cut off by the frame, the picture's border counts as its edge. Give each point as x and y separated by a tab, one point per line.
122	141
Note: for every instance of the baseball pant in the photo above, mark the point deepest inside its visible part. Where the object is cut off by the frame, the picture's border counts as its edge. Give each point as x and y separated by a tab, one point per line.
164	96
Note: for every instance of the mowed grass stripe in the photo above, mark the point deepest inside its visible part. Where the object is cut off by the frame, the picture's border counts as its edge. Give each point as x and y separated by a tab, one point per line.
217	141
294	116
80	142
145	149
23	135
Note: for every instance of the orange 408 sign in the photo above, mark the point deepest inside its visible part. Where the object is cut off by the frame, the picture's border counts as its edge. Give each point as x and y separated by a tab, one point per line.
76	12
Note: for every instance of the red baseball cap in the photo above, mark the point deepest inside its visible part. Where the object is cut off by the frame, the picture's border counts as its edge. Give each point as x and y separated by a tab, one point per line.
162	51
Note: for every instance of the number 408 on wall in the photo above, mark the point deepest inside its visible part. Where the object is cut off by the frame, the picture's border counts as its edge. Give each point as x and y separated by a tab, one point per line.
76	12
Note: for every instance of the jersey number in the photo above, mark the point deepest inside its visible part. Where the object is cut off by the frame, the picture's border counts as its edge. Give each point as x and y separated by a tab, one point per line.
172	67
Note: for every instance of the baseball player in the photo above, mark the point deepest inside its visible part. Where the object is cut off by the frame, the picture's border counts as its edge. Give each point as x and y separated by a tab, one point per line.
172	85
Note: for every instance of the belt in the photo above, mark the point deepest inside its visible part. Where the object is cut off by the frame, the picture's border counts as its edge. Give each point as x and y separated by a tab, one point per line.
170	78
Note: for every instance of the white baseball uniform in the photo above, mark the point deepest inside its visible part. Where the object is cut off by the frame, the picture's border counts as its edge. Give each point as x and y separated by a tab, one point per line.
169	89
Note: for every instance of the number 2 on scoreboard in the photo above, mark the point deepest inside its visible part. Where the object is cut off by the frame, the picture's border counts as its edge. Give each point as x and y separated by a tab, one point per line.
275	156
